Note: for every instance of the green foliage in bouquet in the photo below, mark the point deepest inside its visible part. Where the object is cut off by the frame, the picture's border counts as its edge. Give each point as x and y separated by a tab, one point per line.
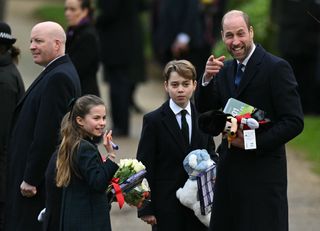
124	173
137	196
128	167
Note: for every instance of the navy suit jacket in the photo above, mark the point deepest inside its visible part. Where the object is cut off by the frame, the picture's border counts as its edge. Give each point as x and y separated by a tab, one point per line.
251	186
34	138
162	150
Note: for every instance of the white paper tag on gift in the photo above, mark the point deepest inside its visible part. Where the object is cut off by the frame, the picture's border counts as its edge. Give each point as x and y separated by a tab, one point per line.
249	137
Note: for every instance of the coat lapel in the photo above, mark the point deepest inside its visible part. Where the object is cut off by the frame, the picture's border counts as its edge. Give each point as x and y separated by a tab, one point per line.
41	76
251	68
34	83
230	76
170	122
194	117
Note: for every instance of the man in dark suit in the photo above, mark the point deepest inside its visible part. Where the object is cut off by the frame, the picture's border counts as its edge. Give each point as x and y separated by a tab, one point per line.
251	185
185	29
36	126
162	149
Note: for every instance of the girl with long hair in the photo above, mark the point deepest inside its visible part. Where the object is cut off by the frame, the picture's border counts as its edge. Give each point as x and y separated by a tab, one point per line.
80	170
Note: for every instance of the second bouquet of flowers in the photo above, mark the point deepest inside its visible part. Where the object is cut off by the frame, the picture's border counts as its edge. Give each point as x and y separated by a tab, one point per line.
129	184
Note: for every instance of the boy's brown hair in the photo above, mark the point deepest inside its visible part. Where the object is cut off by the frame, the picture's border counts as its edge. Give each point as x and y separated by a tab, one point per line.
183	67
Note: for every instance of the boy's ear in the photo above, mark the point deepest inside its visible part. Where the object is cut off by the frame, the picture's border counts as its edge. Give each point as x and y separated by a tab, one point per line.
165	85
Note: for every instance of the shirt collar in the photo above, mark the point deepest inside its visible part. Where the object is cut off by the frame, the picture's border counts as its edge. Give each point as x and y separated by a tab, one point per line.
176	109
53	61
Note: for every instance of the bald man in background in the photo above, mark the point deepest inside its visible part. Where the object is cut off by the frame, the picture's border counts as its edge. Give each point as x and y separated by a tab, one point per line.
36	123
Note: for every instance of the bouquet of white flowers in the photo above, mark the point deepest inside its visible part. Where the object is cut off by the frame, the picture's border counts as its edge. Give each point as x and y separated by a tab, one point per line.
129	184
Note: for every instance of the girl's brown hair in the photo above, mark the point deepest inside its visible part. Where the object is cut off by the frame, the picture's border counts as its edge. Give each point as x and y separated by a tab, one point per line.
72	133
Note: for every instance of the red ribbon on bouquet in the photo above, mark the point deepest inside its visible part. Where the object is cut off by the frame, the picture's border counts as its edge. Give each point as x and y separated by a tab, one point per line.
118	191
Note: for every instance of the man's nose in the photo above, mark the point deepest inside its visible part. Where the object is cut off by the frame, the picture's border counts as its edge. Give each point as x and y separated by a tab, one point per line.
32	46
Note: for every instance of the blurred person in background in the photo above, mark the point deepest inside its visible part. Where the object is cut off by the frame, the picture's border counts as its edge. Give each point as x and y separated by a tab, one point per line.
298	42
120	32
186	29
82	43
11	91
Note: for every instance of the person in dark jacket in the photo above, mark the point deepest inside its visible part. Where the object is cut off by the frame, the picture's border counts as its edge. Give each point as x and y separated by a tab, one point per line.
120	32
295	18
81	172
163	147
11	91
185	29
36	123
51	213
83	44
251	185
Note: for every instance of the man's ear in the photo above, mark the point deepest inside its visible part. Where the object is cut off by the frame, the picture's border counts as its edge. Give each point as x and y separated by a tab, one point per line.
222	35
57	44
251	31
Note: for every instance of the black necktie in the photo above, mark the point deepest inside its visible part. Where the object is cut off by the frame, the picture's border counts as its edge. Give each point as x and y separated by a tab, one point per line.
239	75
184	126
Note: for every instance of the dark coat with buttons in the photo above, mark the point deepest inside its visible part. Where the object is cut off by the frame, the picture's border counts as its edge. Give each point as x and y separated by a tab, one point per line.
85	204
251	185
11	91
162	150
34	138
83	47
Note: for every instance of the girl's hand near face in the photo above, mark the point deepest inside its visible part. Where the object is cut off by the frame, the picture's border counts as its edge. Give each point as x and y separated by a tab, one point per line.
107	138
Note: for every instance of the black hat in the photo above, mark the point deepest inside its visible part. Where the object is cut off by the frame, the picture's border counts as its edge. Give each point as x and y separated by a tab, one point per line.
5	34
212	122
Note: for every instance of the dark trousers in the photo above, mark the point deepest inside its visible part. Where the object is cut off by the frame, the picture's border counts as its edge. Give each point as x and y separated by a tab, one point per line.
120	94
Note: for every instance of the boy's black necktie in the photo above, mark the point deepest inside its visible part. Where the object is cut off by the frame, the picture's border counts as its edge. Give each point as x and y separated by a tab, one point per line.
239	75
184	126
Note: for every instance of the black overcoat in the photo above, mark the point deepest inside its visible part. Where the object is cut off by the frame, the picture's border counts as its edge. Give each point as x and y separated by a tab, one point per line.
162	150
251	186
85	204
121	36
83	47
11	91
34	138
51	220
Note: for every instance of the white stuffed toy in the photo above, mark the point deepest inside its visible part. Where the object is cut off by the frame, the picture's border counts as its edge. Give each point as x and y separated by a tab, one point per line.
194	163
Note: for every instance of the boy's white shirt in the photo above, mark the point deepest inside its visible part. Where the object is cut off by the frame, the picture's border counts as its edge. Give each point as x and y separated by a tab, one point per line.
177	109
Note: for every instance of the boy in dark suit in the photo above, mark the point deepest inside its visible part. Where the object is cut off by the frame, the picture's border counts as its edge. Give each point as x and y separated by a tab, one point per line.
165	140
